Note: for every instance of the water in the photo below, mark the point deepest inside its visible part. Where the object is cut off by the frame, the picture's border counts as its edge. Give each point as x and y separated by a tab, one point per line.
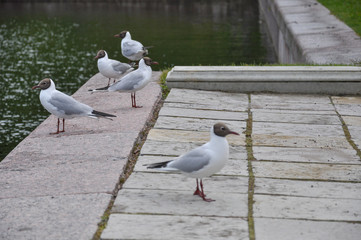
60	40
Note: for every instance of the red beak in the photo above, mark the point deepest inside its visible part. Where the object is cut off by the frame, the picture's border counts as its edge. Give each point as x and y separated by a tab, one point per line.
36	86
155	63
235	133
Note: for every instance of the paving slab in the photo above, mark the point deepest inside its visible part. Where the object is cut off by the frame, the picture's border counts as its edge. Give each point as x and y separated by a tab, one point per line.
305	171
176	227
294	117
58	186
174	149
168	135
203	114
307	208
312	155
300	142
330	172
299	188
193	124
285	229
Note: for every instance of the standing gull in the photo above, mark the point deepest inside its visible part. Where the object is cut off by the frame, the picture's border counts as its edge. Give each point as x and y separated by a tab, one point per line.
131	49
64	106
111	68
202	161
133	81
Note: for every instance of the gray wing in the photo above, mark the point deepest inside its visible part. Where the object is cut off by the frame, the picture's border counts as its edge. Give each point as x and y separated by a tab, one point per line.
69	105
120	67
131	48
192	161
128	82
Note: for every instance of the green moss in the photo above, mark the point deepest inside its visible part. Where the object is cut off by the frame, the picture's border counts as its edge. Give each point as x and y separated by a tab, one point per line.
163	83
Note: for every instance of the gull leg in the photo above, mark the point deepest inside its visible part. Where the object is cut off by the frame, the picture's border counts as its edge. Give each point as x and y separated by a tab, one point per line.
203	196
57	129
134	104
197	191
109	82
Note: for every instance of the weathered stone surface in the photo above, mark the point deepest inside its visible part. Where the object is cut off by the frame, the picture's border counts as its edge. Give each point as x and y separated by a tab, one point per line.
316	189
285	229
172	202
352	120
174	149
330	172
207	100
311	155
168	135
165	181
348	109
57	186
193	124
301	142
346	100
174	227
73	216
299	130
307	208
203	114
295	117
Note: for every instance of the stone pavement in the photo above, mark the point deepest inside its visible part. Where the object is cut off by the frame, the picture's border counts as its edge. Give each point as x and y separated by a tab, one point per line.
58	186
294	173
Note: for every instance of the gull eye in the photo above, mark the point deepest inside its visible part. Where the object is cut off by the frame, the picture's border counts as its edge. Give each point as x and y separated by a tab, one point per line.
223	128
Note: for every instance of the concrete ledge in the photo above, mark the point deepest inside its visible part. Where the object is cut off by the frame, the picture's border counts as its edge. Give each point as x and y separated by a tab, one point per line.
304	31
336	80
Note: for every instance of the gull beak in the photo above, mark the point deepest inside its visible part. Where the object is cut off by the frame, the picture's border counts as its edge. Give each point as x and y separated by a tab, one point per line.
155	63
235	133
35	87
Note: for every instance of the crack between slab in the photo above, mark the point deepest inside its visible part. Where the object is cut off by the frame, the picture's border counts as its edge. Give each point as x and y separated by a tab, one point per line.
346	131
180	215
251	177
128	168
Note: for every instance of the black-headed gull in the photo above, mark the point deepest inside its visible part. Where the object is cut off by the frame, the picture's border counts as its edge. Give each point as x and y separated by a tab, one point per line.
133	81
202	161
111	68
64	106
131	49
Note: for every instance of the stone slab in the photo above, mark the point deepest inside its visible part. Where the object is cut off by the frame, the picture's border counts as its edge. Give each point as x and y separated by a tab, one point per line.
194	124
292	111
164	181
52	217
309	155
174	149
285	229
315	189
299	130
203	114
208	100
348	109
307	208
346	100
174	227
352	120
167	135
306	171
233	166
295	117
300	142
172	202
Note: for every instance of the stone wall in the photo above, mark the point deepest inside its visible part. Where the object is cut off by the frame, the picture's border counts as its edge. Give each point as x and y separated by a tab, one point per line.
304	31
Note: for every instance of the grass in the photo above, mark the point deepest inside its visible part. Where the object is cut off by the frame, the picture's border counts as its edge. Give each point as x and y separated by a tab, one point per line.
348	11
165	89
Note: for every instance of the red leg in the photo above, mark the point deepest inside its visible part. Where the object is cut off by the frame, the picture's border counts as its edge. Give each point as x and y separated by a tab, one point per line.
109	82
197	191
134	104
57	129
203	196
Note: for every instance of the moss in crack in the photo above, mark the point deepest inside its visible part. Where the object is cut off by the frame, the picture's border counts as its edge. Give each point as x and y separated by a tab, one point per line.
251	178
346	131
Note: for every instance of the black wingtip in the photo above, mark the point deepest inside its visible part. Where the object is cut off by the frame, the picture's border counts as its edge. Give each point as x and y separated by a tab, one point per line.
102	114
157	165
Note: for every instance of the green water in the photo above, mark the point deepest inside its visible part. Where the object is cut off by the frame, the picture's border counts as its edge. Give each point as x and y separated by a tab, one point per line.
60	40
